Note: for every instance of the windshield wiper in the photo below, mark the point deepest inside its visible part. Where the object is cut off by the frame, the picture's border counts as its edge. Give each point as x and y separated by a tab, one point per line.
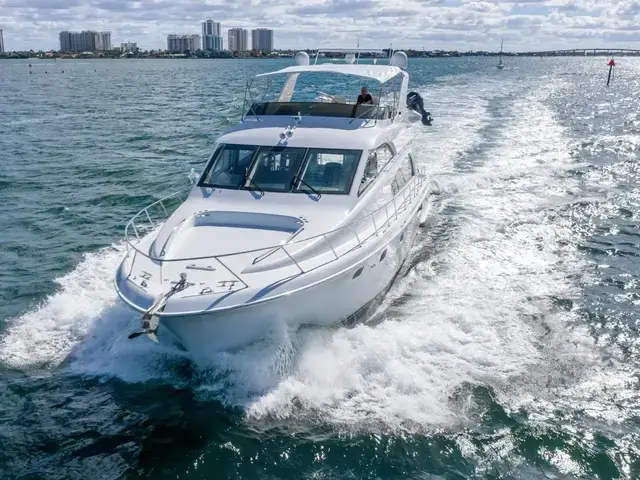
296	178
254	186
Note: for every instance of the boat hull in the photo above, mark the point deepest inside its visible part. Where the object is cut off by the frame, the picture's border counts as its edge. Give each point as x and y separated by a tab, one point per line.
342	298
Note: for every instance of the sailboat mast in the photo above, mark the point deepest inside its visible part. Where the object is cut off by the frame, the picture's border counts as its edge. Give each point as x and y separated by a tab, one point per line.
501	44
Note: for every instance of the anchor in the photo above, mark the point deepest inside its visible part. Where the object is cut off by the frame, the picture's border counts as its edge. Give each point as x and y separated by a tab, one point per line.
151	319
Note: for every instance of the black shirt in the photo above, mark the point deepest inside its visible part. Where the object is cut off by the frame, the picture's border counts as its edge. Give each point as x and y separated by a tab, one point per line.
365	98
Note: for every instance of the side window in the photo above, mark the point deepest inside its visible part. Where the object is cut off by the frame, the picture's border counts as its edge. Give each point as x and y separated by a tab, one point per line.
412	165
378	159
407	168
403	174
370	172
385	154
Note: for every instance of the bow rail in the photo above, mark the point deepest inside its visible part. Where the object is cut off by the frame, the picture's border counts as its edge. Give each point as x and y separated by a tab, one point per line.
337	242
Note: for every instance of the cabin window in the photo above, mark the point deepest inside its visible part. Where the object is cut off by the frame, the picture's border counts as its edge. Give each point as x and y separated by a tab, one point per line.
328	171
228	167
274	168
370	171
407	168
282	169
403	174
377	160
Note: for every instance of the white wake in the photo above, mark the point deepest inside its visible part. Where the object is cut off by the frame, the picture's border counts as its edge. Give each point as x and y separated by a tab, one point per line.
474	311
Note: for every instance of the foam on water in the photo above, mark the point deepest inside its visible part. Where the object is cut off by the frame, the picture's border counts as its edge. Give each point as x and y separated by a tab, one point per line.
475	310
45	336
478	312
85	323
84	326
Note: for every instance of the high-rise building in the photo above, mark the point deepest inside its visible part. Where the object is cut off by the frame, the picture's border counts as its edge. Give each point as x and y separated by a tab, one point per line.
85	41
65	41
212	35
103	41
238	40
1	42
129	47
183	43
211	42
262	39
211	28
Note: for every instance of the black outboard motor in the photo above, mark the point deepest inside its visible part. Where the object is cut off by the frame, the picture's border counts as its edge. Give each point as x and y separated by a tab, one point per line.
415	103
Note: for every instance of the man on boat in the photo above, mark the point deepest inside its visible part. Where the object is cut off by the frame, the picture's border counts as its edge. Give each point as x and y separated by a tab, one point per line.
364	96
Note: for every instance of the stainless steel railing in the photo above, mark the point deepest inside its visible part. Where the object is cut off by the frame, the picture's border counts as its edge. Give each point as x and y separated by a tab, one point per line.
148	212
374	223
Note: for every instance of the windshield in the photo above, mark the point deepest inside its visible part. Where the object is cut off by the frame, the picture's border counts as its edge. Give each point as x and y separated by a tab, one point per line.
307	86
329	171
322	94
229	166
274	168
282	169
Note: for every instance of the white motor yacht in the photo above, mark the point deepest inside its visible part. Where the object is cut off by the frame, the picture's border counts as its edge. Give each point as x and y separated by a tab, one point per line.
304	214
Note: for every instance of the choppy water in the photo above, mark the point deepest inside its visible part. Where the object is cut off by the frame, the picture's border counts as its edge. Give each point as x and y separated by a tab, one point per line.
509	350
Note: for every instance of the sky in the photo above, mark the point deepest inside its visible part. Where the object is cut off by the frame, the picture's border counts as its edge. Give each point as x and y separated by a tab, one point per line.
527	25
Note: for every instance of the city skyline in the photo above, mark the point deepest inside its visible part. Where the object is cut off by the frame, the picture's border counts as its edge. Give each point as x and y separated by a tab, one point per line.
437	24
210	40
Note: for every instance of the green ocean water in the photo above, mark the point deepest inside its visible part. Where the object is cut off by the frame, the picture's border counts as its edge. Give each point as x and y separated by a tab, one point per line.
509	349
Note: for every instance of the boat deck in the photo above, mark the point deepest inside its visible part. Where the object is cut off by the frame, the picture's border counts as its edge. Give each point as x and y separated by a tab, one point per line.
229	272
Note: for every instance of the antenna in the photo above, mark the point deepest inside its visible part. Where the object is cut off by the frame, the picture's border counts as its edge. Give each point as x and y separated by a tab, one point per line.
324	30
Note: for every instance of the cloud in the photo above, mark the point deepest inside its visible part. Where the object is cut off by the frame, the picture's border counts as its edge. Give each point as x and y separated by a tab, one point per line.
518	21
432	24
337	7
119	5
41	4
395	12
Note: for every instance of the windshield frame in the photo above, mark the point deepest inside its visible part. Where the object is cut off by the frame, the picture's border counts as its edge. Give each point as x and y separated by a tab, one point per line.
296	185
299	184
216	157
254	167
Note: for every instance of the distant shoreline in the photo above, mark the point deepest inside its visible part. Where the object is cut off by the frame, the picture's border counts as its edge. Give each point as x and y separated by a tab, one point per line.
289	55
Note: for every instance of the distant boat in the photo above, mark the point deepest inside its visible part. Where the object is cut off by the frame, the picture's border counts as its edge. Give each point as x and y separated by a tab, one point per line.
500	64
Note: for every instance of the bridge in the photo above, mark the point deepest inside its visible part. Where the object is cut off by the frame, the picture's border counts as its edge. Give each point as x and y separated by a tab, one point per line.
584	52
